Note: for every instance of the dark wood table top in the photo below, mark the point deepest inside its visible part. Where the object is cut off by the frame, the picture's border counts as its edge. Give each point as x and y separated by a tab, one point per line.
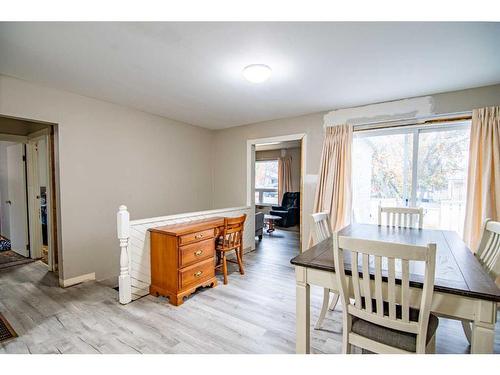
457	269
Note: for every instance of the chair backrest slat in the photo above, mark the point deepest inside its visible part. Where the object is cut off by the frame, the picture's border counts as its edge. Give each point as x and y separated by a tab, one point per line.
232	234
402	217
405	290
488	252
370	296
391	288
378	285
366	283
321	226
355	278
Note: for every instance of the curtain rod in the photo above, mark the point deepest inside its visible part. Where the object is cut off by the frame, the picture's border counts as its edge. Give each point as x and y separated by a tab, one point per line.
450	117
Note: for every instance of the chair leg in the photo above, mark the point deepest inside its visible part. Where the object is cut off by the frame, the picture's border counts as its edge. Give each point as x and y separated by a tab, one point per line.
346	346
431	346
467	330
334	302
224	267
240	261
324	308
217	258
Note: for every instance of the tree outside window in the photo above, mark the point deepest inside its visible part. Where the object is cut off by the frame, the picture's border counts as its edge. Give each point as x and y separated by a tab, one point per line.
385	164
266	182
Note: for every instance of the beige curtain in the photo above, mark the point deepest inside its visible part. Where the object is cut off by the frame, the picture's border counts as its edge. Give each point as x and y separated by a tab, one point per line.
483	181
333	193
284	176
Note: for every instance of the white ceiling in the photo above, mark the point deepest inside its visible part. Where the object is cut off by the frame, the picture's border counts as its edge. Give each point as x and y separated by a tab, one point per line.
192	71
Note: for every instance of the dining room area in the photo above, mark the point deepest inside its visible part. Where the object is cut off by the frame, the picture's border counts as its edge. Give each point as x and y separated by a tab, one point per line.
405	235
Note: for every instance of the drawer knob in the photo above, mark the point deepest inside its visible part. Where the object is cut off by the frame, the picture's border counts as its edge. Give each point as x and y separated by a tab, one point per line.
198	236
198	274
198	253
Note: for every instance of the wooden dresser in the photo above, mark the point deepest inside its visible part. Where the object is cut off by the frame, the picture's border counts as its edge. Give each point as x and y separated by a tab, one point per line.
183	258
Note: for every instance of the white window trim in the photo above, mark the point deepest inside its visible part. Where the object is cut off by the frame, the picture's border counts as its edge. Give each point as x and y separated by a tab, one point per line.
415	130
262	190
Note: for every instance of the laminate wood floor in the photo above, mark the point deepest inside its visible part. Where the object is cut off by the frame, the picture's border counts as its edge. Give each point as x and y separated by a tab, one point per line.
9	258
254	313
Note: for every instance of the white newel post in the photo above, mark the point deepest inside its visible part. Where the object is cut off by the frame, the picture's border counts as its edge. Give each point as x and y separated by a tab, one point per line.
123	227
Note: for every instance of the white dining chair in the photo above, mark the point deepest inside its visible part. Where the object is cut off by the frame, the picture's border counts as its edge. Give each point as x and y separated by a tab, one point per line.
402	217
322	231
381	320
488	254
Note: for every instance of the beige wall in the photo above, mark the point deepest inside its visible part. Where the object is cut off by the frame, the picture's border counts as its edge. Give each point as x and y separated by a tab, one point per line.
111	155
230	144
230	158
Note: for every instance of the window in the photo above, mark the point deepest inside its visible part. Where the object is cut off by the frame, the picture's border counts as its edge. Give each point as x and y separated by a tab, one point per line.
266	182
418	166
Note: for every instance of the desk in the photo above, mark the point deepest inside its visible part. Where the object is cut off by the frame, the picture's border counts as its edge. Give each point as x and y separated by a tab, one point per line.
183	258
462	288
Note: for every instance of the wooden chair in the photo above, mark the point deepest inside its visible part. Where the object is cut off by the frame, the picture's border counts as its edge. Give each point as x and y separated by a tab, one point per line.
488	255
322	231
231	240
381	319
402	217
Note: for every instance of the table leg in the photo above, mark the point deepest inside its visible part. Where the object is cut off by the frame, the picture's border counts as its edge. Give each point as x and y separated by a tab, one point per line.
483	336
483	328
303	319
270	226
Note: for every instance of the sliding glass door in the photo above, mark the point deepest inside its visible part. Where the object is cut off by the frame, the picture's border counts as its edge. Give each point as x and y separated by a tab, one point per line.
413	166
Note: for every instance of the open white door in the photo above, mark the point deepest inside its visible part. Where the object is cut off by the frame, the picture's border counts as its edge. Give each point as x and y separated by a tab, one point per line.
39	198
18	213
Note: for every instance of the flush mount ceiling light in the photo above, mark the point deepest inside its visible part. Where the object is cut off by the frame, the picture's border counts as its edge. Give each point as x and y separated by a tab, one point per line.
257	73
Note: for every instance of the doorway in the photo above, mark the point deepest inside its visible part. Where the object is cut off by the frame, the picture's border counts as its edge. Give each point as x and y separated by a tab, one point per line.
14	242
275	187
27	227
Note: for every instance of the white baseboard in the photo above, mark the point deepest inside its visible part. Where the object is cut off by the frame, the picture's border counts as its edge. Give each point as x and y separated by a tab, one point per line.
248	249
76	280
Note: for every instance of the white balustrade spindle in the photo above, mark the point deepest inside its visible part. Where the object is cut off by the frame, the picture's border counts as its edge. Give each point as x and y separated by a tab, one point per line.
123	230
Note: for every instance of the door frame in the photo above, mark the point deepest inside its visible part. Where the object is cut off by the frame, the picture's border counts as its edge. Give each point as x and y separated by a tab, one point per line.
55	189
302	137
33	184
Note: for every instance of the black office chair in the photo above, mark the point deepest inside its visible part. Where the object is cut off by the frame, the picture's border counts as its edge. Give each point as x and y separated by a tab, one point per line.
289	211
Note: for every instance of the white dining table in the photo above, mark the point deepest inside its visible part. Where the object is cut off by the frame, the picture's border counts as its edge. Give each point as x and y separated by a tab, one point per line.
462	289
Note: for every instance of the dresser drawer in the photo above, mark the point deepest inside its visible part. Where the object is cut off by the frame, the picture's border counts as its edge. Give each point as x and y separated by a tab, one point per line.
195	252
196	236
196	273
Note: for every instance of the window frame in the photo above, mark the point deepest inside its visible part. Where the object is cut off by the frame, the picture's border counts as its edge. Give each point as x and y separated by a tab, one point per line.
263	190
416	130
